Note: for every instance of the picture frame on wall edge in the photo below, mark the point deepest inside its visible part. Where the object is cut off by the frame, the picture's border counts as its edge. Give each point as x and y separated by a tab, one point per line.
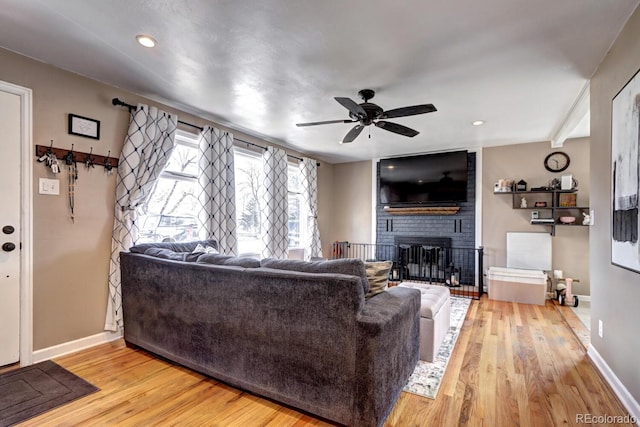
625	177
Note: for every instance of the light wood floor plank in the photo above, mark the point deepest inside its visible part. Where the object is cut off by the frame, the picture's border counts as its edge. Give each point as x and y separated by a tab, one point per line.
513	364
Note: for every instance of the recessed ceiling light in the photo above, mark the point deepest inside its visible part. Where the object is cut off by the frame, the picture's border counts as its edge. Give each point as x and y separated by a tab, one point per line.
391	167
478	123
146	41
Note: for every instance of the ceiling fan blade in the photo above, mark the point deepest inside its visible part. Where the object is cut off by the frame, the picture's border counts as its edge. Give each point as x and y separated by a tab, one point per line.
396	128
353	134
325	122
352	106
408	111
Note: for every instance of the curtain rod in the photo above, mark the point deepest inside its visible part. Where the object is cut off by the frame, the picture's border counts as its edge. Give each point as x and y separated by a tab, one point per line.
118	103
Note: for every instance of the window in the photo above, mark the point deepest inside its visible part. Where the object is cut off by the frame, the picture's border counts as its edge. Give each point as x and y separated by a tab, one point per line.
248	170
169	214
297	208
248	167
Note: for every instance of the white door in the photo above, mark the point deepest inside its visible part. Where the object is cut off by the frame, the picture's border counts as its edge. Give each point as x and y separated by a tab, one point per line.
10	151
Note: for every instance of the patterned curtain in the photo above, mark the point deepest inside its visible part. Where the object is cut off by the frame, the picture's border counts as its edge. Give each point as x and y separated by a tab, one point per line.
217	195
147	148
312	246
275	204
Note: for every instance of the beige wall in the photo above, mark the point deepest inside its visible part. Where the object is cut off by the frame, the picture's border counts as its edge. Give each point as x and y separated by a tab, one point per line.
71	261
525	161
351	214
615	292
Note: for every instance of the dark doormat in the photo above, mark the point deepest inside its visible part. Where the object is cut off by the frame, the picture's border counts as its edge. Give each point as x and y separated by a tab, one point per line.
36	389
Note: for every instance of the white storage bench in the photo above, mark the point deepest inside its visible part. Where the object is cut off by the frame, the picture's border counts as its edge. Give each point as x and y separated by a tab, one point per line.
435	317
517	285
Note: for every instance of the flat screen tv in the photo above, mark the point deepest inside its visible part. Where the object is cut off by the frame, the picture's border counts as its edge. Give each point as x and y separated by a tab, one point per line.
424	180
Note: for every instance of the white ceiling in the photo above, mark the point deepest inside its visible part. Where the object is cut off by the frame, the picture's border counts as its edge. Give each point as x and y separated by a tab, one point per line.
261	66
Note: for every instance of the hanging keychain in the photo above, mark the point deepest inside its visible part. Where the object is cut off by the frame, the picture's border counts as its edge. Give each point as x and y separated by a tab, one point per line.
52	162
107	166
73	176
89	162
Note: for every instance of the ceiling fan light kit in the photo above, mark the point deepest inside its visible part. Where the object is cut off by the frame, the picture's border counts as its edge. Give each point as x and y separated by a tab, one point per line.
367	113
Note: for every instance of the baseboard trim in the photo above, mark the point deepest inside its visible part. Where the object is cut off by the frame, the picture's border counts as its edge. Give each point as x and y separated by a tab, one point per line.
618	388
73	346
584	297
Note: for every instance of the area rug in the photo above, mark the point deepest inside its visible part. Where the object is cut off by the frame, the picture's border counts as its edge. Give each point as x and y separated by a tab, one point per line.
33	390
426	378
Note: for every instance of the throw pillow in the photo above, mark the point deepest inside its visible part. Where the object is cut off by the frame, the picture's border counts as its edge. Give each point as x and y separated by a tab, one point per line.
378	276
200	249
350	266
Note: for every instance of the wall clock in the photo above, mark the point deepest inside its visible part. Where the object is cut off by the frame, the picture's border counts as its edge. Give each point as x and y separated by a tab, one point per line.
556	161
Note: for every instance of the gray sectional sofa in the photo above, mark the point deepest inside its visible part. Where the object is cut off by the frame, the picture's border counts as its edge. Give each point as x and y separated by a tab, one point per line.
309	338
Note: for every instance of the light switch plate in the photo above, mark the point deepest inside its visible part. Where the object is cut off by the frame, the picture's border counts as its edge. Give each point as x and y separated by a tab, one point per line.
50	187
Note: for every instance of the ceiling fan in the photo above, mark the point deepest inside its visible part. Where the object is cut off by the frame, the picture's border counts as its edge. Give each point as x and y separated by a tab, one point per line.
369	113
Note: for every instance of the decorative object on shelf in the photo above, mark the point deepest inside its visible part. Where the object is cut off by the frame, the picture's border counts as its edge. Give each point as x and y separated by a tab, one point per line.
566	182
535	214
540	204
567	200
567	219
556	161
521	185
625	171
523	202
554	184
84	126
587	219
503	186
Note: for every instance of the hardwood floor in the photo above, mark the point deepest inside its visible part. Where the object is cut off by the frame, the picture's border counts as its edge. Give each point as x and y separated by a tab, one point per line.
514	364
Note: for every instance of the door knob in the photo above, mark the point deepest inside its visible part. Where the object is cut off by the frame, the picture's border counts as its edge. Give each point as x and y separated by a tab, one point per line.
8	229
8	247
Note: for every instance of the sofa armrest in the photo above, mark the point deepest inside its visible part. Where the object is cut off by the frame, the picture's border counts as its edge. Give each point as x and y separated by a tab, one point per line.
388	351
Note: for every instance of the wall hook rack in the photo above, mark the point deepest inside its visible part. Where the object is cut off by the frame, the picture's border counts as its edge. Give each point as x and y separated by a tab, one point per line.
77	156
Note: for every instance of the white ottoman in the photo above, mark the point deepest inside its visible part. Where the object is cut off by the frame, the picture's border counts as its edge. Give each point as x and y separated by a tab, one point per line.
435	317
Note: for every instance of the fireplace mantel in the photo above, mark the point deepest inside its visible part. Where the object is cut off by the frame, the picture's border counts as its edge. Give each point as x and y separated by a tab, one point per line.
424	210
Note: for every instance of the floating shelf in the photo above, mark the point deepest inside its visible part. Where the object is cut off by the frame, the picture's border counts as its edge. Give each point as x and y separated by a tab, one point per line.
553	199
427	210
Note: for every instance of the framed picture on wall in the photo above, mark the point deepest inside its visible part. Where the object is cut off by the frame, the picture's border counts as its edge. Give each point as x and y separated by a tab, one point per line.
625	179
84	126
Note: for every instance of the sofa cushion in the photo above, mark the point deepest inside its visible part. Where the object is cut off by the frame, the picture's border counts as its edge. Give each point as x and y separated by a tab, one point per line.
169	254
350	266
173	246
220	259
378	276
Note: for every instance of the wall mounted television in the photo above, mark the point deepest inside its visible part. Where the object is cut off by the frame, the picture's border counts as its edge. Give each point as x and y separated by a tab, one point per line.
428	179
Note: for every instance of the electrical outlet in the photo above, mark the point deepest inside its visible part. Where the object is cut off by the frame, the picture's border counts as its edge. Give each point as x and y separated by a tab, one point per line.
600	328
